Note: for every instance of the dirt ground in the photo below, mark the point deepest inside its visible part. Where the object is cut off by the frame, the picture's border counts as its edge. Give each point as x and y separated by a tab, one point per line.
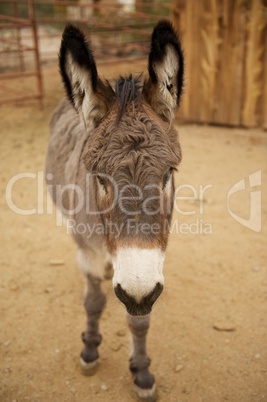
208	333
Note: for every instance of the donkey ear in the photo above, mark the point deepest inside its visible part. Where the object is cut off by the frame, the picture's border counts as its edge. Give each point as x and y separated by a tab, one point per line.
88	94
164	87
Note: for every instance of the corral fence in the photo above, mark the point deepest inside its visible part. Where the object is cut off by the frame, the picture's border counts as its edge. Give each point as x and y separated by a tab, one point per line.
13	49
225	44
30	34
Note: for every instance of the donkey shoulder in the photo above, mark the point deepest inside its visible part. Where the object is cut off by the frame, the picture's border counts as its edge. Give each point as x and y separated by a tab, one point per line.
68	136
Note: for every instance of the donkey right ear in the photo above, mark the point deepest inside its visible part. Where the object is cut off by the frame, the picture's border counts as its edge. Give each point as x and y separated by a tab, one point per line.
90	96
164	87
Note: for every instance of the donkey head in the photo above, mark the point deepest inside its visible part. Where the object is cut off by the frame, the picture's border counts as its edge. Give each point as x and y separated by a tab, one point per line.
132	152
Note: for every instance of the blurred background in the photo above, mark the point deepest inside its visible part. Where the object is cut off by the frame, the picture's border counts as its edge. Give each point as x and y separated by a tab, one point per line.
225	46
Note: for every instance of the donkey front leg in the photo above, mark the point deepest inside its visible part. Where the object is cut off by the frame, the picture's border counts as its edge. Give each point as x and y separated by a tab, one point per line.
144	382
94	303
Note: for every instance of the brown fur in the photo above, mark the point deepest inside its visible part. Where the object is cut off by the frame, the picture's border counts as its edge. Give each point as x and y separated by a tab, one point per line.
123	137
138	150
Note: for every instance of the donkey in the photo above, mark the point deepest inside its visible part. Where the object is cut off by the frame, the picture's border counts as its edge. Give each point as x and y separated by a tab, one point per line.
111	158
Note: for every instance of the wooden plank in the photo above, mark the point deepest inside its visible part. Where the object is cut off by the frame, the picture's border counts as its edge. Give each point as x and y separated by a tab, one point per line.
264	100
229	81
225	46
208	40
191	44
192	65
253	103
178	17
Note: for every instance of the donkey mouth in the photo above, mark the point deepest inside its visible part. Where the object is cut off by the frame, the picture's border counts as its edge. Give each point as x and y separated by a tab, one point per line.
139	311
142	307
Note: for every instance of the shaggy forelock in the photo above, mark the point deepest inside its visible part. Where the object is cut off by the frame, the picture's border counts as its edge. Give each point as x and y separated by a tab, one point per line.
126	90
137	149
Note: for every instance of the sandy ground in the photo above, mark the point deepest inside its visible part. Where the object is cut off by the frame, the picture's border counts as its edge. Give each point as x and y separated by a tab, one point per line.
208	332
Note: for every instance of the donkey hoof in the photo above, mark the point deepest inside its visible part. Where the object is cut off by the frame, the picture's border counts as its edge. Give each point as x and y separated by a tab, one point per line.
148	395
88	368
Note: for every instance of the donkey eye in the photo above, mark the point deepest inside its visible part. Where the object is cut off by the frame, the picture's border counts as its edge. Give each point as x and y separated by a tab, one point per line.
103	183
167	177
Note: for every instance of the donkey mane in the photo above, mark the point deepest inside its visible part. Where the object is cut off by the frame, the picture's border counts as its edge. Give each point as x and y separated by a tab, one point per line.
127	89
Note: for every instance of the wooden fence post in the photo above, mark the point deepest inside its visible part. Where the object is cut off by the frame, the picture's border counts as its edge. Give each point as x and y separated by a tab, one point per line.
225	44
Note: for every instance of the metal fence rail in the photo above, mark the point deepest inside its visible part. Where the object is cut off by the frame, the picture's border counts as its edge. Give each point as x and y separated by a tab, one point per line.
30	33
10	91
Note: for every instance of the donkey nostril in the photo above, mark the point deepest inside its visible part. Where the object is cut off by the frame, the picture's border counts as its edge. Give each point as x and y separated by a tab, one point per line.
121	294
156	292
142	307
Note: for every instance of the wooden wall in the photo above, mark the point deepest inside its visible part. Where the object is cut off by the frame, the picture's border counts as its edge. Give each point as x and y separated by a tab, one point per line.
225	45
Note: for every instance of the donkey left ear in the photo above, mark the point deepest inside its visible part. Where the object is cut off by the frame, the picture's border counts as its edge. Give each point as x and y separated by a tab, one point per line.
90	96
164	87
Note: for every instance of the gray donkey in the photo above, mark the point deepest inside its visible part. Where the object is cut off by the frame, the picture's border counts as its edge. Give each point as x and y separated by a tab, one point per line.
110	164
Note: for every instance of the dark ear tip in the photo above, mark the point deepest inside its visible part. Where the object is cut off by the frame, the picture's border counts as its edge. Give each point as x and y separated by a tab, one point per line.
75	41
71	31
164	27
165	24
